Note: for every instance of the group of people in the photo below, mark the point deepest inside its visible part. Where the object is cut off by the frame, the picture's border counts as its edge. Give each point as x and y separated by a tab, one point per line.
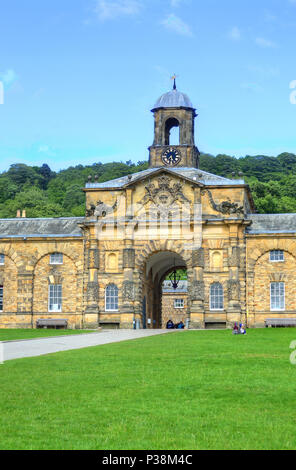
178	326
239	329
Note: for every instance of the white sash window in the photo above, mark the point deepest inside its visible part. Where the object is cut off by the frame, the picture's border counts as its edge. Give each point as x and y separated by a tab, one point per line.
277	296
216	297
55	298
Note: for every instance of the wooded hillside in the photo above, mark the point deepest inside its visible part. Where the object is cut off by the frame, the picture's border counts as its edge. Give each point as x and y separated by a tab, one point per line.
45	193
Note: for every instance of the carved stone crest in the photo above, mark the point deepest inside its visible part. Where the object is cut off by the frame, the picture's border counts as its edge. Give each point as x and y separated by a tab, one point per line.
164	196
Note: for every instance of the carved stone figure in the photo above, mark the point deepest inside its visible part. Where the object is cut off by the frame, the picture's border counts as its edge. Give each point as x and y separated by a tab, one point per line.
233	290
224	207
100	210
128	291
198	259
197	290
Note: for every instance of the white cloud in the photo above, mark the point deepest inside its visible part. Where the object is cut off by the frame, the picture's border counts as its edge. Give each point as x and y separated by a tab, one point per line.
262	42
175	24
235	34
111	9
8	77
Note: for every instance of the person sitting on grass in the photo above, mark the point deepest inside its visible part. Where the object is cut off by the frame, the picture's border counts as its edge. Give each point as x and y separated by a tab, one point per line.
170	325
235	330
242	329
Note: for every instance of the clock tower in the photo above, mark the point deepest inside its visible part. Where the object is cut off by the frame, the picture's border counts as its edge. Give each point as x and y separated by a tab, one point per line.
173	109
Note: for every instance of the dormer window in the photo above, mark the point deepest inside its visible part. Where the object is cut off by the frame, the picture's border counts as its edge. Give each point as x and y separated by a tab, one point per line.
56	258
276	256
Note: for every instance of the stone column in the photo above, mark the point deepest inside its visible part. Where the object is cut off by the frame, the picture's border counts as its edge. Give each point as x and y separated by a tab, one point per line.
91	319
233	287
128	287
25	297
197	291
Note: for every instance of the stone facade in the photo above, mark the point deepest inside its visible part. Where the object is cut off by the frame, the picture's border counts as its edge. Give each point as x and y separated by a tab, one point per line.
139	228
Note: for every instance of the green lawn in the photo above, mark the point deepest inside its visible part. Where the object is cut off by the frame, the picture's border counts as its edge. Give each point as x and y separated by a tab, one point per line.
184	390
12	334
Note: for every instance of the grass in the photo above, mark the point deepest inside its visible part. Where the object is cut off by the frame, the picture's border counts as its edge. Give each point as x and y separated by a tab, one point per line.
185	390
14	334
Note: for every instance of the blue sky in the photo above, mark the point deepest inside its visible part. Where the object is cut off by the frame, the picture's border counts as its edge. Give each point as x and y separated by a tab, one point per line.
80	76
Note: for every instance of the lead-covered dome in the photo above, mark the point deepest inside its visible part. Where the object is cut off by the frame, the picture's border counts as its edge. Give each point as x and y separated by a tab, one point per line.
173	99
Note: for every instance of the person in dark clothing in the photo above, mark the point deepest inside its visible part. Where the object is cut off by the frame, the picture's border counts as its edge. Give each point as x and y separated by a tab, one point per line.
170	325
180	326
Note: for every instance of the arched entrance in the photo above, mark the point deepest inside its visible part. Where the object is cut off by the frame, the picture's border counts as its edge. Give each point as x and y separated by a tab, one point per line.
156	268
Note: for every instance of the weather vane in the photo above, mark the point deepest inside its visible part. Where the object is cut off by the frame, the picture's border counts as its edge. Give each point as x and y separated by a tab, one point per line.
174	78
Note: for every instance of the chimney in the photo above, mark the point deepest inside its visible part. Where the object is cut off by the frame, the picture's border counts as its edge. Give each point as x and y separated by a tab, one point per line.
24	214
18	214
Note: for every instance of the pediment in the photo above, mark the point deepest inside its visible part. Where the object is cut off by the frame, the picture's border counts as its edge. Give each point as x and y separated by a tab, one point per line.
163	171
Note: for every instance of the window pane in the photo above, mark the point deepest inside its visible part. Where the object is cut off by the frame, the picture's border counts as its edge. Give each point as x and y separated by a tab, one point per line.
111	301
216	297
56	258
2	259
277	296
276	255
55	298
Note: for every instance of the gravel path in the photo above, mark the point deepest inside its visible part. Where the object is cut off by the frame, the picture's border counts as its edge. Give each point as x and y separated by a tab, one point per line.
41	346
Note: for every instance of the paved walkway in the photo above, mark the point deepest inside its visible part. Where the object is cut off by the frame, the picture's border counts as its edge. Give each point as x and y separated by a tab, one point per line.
41	346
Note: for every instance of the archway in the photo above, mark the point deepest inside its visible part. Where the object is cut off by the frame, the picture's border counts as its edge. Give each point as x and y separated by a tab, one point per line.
157	267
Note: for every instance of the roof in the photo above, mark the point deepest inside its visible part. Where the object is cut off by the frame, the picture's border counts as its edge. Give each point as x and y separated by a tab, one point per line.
271	223
173	99
52	227
193	174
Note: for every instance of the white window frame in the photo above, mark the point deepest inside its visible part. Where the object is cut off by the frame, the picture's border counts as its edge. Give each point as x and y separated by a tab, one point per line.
53	259
1	298
215	309
278	295
277	255
107	296
2	259
55	307
181	301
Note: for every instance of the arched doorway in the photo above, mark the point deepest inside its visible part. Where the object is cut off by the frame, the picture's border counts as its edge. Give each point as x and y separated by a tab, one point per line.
156	268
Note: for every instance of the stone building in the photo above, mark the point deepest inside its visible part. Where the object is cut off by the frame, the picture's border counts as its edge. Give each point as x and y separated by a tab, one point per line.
107	268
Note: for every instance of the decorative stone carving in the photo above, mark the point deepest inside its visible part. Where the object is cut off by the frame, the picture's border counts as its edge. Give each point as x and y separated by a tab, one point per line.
128	258
234	259
197	291
100	210
198	258
225	207
164	196
93	258
128	292
233	290
92	291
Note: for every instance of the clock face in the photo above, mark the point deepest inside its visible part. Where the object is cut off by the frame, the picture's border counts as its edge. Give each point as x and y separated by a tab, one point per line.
171	157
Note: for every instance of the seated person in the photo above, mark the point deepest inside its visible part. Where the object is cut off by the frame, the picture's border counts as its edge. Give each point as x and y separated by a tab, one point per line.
170	325
235	330
180	326
242	329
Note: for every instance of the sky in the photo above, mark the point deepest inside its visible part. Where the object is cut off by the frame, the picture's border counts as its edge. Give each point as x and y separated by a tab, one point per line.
80	77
